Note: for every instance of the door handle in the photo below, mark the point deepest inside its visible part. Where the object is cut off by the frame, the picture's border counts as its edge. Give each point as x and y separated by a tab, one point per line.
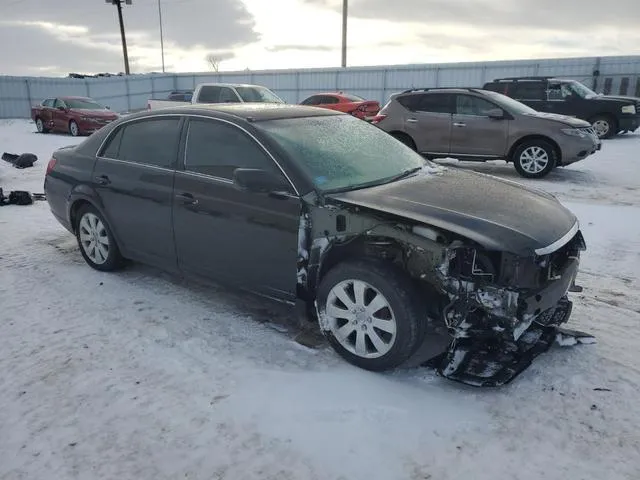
102	180
412	120
187	198
458	124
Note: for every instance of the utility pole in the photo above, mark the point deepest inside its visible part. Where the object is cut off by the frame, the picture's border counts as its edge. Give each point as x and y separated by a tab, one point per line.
345	8
118	4
161	37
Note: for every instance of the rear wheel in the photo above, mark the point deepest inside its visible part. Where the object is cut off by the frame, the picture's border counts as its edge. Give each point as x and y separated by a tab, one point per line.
97	244
40	126
404	138
73	128
604	126
371	314
534	159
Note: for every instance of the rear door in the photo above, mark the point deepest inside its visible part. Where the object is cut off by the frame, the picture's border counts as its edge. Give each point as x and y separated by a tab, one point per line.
226	233
46	112
428	120
473	132
532	93
134	179
60	117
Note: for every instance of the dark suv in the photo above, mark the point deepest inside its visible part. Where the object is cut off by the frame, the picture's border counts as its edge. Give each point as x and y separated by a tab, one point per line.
608	114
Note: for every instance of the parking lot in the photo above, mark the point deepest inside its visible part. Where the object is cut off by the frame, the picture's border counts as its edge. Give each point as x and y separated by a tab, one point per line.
142	375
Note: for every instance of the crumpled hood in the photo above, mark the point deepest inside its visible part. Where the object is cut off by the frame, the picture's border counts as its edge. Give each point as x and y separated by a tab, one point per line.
498	214
564	119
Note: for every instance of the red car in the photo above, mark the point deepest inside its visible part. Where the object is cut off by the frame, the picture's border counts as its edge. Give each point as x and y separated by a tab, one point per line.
356	106
76	115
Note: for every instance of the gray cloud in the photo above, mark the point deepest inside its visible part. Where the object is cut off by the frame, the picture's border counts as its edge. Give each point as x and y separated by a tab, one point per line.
301	48
215	25
497	15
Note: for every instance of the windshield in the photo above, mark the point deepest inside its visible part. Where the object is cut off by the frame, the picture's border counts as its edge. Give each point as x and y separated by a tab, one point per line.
258	94
83	104
581	90
509	104
340	152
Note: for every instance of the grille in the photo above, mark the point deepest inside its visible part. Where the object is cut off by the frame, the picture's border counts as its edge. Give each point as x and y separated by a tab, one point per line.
589	130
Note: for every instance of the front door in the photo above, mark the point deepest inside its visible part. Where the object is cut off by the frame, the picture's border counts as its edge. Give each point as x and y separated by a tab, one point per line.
223	232
429	121
134	179
473	133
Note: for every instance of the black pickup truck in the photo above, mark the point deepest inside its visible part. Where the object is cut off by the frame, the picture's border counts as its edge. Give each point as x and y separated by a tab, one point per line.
608	114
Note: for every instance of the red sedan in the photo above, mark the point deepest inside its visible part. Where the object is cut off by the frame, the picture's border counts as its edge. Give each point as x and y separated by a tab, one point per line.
75	115
352	104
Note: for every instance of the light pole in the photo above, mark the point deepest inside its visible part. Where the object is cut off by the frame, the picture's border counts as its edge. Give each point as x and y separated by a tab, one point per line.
118	4
161	37
345	8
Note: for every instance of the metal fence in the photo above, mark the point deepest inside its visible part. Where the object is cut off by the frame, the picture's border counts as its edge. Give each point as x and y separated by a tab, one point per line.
610	75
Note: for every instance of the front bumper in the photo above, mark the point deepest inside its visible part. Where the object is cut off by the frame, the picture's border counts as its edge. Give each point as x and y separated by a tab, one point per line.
580	149
629	124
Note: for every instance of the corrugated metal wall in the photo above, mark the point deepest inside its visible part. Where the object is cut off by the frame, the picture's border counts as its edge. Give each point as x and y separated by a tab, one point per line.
17	94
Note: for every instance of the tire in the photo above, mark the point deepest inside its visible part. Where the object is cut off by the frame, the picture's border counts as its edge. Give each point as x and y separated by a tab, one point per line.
406	139
92	229
74	130
605	126
534	158
402	311
40	126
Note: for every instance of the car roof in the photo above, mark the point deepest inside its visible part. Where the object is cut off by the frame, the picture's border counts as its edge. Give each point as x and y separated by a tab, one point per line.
253	112
74	98
215	84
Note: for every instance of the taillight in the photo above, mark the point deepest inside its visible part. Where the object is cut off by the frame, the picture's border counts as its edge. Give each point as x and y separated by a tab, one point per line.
378	119
50	165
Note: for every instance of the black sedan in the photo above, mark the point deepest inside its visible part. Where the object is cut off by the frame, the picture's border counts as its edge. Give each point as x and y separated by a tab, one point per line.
316	208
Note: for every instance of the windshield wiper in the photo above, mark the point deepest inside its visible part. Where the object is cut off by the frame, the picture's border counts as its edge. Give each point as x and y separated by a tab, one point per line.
375	183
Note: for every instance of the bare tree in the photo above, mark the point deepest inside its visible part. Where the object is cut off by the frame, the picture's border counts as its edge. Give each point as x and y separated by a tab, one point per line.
214	62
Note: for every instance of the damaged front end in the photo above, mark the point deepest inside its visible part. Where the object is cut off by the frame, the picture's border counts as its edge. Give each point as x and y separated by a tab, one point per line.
501	309
505	310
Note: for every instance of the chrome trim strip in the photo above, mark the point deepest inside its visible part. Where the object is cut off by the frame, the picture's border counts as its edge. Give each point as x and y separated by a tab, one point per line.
205	176
562	241
137	164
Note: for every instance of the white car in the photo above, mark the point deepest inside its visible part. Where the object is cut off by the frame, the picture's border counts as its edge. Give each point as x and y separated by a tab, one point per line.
222	93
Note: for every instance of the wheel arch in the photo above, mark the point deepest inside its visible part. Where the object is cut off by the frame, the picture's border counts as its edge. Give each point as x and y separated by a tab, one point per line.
533	137
81	198
400	133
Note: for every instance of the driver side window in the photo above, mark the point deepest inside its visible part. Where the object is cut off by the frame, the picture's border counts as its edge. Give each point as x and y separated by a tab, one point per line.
469	105
59	103
216	149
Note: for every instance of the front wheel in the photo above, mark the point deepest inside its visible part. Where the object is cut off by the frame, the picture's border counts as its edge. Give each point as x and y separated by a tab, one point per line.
370	314
73	128
534	159
604	126
97	244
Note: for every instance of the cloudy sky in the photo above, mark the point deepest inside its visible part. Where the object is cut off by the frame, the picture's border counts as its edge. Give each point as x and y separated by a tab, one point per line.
47	37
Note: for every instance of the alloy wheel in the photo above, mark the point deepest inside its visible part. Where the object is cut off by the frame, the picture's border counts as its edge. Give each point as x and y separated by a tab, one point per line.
361	319
94	238
534	159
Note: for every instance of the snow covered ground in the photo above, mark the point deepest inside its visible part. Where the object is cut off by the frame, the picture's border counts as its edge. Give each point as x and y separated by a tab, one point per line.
140	375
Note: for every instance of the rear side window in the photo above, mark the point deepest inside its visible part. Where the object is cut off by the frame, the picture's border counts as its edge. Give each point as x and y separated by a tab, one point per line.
431	103
228	96
152	142
312	100
209	94
216	148
528	91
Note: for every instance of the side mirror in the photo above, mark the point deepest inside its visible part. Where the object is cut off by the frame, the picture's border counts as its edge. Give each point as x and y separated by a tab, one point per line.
107	107
259	181
495	114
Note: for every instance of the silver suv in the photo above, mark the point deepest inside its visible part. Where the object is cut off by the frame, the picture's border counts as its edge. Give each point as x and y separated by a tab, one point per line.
479	125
